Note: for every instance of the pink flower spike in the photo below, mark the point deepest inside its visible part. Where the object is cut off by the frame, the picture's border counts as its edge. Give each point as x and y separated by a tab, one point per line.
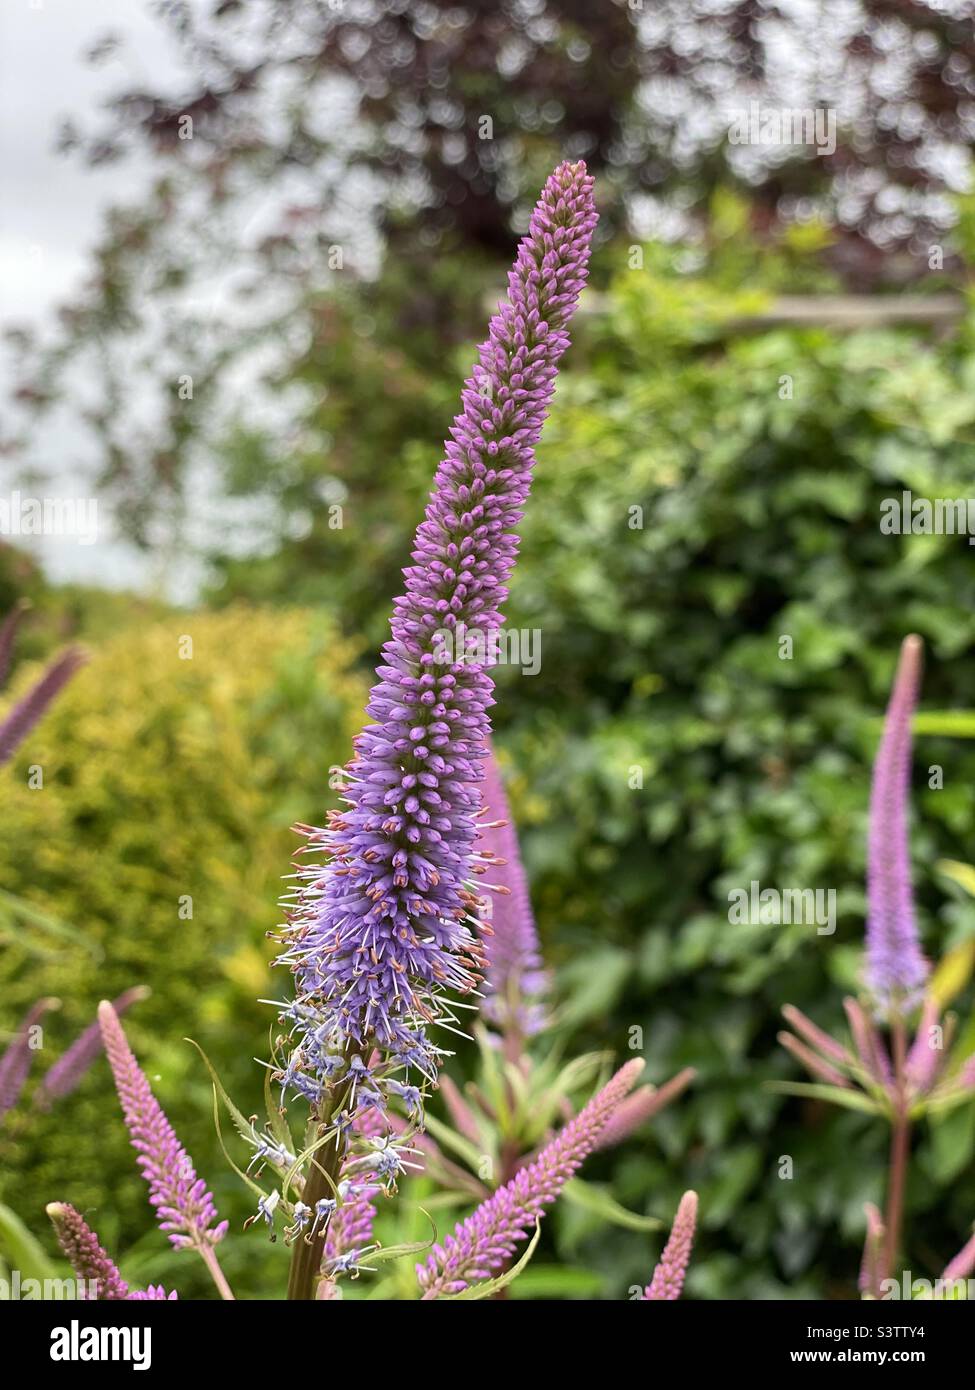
15	1062
813	1064
668	1277
924	1059
91	1264
869	1281
67	1072
485	1242
641	1106
895	969
25	714
822	1041
515	983
868	1044
183	1204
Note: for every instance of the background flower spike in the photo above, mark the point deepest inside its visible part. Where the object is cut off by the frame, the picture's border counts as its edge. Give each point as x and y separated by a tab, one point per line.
869	1281
516	982
668	1277
641	1106
67	1072
16	1060
896	970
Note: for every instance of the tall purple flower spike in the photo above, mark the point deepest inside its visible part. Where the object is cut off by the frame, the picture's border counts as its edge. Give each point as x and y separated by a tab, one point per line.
668	1277
68	1070
91	1264
16	1060
381	933
896	970
515	982
183	1205
484	1242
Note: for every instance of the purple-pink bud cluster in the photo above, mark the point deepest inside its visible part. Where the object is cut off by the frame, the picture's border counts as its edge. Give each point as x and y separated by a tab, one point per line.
183	1204
484	1242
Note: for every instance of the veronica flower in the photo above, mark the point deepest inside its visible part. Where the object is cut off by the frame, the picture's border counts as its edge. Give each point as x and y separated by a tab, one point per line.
380	933
896	970
668	1277
91	1264
68	1070
181	1199
515	979
16	1060
487	1239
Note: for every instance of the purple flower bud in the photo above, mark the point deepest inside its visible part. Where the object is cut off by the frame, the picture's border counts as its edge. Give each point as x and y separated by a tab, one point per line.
641	1106
183	1205
87	1258
668	1277
869	1045
515	980
16	1060
813	1034
66	1073
487	1239
924	1061
815	1065
385	932
895	970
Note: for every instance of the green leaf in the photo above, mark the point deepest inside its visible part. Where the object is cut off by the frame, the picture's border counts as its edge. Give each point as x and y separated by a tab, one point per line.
489	1287
22	1250
276	1121
385	1253
952	723
558	1281
244	1177
18	908
838	1095
243	1126
598	1201
952	1142
962	874
450	1139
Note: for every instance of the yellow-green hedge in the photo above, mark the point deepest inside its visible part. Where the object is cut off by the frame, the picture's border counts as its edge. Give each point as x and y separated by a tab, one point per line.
164	775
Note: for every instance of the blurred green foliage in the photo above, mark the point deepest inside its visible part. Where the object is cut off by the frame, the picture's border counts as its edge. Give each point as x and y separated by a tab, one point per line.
703	491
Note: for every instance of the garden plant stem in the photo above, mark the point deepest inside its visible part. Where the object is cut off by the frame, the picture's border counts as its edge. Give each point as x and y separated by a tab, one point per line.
899	1151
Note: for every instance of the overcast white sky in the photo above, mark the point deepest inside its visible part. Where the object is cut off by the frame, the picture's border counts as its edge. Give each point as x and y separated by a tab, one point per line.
51	206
